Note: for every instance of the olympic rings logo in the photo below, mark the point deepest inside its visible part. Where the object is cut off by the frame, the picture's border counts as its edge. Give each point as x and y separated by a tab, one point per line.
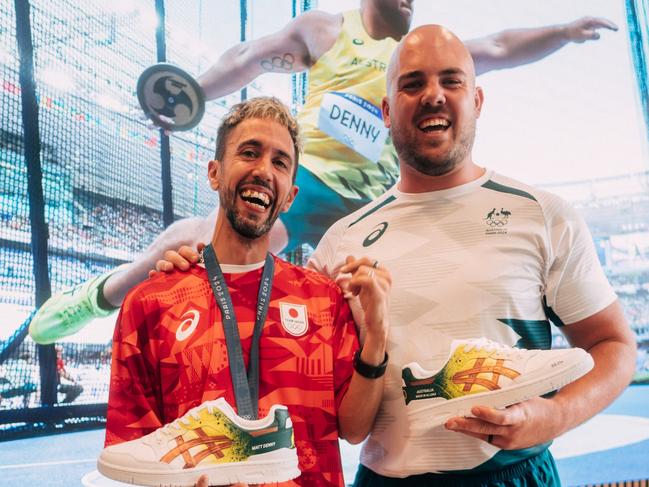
276	63
497	223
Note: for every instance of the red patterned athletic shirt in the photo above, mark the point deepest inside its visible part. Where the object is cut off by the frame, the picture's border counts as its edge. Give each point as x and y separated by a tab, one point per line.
169	355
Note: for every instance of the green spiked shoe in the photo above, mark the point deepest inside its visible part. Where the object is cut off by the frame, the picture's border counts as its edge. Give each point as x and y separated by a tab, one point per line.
67	312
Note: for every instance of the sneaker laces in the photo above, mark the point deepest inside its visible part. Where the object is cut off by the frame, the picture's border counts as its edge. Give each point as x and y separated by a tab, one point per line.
490	346
178	424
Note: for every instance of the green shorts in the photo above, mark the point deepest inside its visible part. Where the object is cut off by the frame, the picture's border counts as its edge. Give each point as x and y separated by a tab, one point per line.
539	470
314	210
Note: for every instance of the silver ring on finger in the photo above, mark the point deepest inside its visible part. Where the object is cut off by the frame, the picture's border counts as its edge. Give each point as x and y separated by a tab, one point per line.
371	273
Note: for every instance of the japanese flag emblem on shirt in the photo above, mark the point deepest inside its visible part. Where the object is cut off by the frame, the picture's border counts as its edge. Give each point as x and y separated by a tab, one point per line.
294	318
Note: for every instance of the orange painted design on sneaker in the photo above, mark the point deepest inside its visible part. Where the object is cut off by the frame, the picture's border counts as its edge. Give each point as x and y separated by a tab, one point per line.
470	377
213	446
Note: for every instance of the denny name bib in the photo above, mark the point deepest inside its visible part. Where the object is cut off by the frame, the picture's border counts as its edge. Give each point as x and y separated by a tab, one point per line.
354	122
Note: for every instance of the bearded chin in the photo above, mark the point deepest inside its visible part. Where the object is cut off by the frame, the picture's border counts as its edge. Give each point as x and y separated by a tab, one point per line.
425	165
247	229
429	168
439	166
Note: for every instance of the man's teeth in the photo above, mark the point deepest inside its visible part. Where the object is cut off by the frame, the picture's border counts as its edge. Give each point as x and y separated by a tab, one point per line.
255	197
434	123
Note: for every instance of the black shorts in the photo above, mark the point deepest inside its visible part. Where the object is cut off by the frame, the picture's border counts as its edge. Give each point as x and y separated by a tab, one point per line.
539	470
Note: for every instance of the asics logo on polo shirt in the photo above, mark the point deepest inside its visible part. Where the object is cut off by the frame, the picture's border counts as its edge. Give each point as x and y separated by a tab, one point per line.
188	325
376	234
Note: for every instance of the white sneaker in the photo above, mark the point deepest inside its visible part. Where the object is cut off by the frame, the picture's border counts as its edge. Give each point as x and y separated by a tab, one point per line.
486	373
209	440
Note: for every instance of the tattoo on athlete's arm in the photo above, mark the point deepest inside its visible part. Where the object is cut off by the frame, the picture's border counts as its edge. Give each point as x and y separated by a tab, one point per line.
279	63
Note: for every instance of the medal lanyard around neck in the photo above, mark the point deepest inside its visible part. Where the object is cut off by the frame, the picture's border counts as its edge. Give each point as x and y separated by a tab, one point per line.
246	389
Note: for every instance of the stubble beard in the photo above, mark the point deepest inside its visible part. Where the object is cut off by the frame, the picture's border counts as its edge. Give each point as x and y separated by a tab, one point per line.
439	166
245	227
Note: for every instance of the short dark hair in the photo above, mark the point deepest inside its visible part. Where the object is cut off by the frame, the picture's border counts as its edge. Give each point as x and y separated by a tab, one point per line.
265	108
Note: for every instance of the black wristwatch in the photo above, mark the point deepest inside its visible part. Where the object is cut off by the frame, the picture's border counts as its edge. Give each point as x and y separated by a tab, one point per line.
367	370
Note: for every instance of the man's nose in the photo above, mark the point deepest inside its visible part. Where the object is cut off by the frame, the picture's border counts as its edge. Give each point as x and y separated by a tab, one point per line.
433	95
263	167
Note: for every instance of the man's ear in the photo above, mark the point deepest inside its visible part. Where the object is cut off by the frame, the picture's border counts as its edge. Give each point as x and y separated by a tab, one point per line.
213	171
385	109
291	197
479	100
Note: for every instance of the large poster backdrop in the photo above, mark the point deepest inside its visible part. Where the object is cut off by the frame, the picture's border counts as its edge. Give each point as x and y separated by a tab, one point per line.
574	122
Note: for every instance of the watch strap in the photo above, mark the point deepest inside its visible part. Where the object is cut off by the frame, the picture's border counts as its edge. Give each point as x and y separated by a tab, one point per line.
369	371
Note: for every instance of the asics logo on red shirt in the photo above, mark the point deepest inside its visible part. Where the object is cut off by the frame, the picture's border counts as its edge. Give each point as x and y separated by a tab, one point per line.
188	325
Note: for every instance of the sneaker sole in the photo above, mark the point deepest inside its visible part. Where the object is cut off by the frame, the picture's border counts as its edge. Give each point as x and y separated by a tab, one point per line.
277	466
437	415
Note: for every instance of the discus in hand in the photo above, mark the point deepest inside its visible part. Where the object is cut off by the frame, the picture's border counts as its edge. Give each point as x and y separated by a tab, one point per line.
170	97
